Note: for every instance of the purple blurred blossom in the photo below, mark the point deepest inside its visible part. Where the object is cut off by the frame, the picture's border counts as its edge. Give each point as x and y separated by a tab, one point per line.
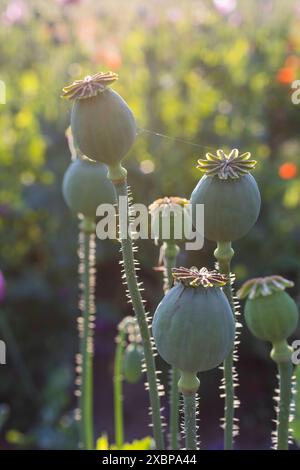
15	12
148	17
225	7
68	2
5	209
2	287
235	19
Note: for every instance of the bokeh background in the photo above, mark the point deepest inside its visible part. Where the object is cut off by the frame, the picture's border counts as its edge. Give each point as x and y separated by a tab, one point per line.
216	73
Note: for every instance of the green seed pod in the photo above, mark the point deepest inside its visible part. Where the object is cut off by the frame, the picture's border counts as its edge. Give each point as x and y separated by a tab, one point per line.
103	125
85	186
229	193
193	326
132	363
270	313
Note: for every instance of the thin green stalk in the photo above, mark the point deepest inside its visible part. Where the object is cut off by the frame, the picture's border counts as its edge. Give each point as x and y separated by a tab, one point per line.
118	393
224	254
86	344
189	403
174	409
229	402
282	354
170	252
285	370
138	307
188	385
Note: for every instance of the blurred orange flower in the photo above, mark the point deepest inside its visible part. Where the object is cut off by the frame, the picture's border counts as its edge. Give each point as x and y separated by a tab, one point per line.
286	75
108	56
287	171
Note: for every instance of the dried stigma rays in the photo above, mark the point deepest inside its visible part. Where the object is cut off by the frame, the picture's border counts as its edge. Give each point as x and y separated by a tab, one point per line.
195	278
90	86
263	286
225	166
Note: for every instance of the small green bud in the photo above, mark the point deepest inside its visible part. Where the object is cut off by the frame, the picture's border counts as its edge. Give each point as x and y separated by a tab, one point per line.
132	363
270	313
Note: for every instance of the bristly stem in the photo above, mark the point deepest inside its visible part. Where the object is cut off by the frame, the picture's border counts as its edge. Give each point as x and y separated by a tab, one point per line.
281	354
224	254
87	258
285	370
138	307
170	251
118	394
174	409
188	385
189	403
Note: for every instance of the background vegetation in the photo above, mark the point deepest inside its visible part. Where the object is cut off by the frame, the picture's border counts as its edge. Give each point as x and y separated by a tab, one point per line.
216	73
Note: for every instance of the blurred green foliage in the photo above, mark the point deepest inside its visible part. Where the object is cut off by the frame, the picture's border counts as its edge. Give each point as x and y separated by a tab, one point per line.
217	74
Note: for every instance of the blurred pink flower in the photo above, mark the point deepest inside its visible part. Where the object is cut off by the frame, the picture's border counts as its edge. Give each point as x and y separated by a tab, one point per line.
149	18
235	19
297	9
2	287
225	6
15	12
87	29
174	15
68	2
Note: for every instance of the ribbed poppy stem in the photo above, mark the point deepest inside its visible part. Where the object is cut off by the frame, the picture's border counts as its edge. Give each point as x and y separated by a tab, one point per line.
138	307
223	255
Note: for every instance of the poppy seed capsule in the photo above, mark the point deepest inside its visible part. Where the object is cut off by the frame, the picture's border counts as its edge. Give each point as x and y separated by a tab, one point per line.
86	186
229	193
132	363
102	123
193	326
270	313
